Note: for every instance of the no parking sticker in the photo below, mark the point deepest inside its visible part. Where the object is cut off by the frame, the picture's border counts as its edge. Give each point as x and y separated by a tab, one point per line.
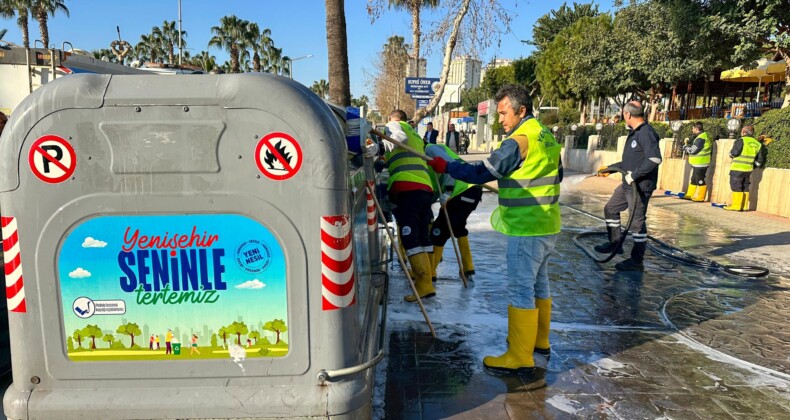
278	156
52	159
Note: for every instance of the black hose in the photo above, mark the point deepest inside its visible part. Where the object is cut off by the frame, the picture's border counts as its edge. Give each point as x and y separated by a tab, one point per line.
664	249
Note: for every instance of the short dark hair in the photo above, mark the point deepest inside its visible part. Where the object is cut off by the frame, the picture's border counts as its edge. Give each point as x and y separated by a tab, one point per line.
698	126
430	123
518	97
400	114
635	109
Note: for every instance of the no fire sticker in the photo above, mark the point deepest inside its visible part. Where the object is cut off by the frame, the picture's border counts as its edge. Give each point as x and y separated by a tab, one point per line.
52	159
278	156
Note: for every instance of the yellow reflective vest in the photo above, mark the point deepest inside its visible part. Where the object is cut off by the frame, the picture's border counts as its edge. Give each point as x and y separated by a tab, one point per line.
407	166
529	197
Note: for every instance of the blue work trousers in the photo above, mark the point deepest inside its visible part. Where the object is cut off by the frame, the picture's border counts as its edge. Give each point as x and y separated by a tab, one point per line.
527	269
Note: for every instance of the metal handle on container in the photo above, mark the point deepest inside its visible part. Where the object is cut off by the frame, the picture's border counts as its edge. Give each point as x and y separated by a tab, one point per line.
328	375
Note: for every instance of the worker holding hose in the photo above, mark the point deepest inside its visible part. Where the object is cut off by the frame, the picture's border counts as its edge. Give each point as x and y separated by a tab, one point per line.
641	158
528	170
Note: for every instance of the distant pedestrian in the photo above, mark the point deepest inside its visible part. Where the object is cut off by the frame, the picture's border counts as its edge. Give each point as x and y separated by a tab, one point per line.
194	346
641	158
747	153
699	159
431	134
452	139
151	342
168	341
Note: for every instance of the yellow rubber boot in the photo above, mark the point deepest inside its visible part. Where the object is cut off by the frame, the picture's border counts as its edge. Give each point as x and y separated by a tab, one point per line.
422	277
544	322
702	191
436	258
466	256
522	329
690	192
746	206
737	202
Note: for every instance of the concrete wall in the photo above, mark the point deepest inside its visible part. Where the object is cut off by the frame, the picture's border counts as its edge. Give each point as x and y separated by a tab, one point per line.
768	191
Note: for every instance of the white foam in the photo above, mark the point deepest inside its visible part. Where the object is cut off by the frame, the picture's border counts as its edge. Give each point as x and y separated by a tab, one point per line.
564	404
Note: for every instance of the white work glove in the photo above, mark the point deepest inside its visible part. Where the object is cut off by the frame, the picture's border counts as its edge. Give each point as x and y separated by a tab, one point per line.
444	198
628	178
371	150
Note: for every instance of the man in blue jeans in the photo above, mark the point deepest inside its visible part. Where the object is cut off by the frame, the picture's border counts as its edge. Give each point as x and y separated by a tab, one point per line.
528	171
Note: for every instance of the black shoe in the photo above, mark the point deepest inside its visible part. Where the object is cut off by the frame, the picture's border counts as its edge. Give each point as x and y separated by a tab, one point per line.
607	248
630	265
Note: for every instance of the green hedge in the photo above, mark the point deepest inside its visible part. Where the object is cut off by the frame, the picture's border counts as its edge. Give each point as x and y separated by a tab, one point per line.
776	125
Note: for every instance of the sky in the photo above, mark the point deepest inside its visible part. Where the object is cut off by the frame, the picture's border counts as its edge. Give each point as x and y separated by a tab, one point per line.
299	28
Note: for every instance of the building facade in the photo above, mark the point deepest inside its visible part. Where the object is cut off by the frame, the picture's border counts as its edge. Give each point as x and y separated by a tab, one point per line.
465	71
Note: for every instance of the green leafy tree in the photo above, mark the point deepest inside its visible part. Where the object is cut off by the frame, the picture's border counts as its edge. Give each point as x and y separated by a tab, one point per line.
78	335
471	97
498	77
224	332
277	326
255	335
362	101
131	329
551	24
238	328
92	331
214	340
744	29
70	343
108	338
41	10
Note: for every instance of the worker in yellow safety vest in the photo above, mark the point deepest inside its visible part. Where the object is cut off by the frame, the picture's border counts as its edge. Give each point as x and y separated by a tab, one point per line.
460	199
747	153
699	158
411	193
528	170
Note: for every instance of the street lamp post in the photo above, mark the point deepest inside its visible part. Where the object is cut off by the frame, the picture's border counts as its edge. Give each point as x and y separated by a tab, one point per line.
291	70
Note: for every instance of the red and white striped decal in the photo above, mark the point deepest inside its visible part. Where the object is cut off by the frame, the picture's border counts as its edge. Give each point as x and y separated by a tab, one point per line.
371	208
337	263
14	284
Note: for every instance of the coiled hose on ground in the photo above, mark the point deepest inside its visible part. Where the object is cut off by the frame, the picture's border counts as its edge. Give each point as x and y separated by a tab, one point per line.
660	247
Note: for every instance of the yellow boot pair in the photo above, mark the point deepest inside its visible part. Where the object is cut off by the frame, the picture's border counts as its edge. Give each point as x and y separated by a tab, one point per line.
466	257
700	194
421	265
739	199
522	330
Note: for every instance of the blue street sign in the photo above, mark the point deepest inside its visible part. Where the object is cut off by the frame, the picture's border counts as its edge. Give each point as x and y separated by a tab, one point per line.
420	85
422	103
414	96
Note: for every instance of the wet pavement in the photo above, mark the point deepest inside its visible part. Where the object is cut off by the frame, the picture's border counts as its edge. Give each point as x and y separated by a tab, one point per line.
673	342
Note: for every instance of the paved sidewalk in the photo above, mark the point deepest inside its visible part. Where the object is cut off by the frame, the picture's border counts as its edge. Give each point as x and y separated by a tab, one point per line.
673	342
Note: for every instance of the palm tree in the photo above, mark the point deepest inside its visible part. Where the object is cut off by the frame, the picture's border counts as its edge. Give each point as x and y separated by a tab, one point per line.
413	7
2	33
265	43
337	48
287	63
321	88
244	61
20	8
149	48
101	53
205	60
252	41
41	10
168	36
230	36
274	60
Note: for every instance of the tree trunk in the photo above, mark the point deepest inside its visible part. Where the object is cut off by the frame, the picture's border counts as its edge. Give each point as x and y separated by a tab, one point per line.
238	338
234	60
278	336
583	111
415	33
132	335
93	342
23	27
463	8
653	107
42	26
256	62
337	48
